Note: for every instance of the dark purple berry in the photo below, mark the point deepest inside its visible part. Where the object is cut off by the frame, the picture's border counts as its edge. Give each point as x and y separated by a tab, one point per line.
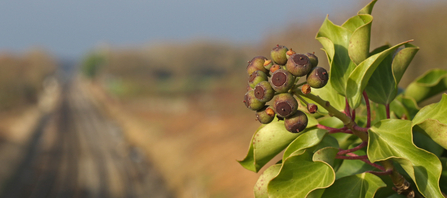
299	65
285	105
281	80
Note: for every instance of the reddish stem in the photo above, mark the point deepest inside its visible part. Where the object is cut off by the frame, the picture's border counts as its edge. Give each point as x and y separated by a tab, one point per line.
347	108
335	130
387	106
361	129
329	128
353	115
368	162
368	110
341	131
342	152
362	157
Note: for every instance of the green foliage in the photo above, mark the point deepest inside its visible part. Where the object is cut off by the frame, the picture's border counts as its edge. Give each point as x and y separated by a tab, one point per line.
369	136
92	64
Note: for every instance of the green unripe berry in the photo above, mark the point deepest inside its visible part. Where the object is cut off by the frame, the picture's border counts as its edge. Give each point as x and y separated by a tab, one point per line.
281	80
257	63
297	122
251	102
278	54
299	65
265	115
264	91
318	77
313	59
285	105
256	77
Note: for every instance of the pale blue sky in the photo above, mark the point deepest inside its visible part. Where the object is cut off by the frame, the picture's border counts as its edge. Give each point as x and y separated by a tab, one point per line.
71	28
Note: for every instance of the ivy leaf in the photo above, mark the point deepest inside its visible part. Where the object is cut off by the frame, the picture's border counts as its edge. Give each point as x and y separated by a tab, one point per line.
326	154
427	85
306	140
355	186
328	93
403	105
299	176
423	140
383	84
431	120
443	179
360	76
435	130
336	41
260	188
266	143
436	111
393	139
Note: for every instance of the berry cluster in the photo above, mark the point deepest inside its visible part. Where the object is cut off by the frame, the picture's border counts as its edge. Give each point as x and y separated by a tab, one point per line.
277	78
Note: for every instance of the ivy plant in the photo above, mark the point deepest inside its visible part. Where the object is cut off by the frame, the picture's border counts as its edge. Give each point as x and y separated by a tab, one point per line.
350	131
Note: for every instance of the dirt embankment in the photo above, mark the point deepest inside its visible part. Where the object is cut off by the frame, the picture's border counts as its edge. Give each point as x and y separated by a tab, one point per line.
17	127
194	141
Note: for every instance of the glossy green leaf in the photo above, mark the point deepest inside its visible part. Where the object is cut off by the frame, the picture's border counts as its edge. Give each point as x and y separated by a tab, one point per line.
368	8
428	85
327	141
328	93
392	139
346	45
267	142
443	180
260	188
436	111
360	76
326	154
306	140
335	41
403	105
363	185
331	122
316	193
358	48
383	85
435	130
422	140
432	121
299	176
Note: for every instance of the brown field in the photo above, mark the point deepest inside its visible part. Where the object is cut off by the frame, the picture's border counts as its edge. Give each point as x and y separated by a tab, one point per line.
194	141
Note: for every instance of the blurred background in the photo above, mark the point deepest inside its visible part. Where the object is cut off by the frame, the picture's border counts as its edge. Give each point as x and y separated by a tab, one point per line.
144	98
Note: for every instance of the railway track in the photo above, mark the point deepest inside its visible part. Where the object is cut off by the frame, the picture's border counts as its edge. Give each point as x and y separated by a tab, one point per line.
78	152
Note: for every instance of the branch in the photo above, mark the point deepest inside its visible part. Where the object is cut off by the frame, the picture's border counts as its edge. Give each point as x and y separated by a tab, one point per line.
369	162
347	121
387	106
360	146
368	110
362	157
